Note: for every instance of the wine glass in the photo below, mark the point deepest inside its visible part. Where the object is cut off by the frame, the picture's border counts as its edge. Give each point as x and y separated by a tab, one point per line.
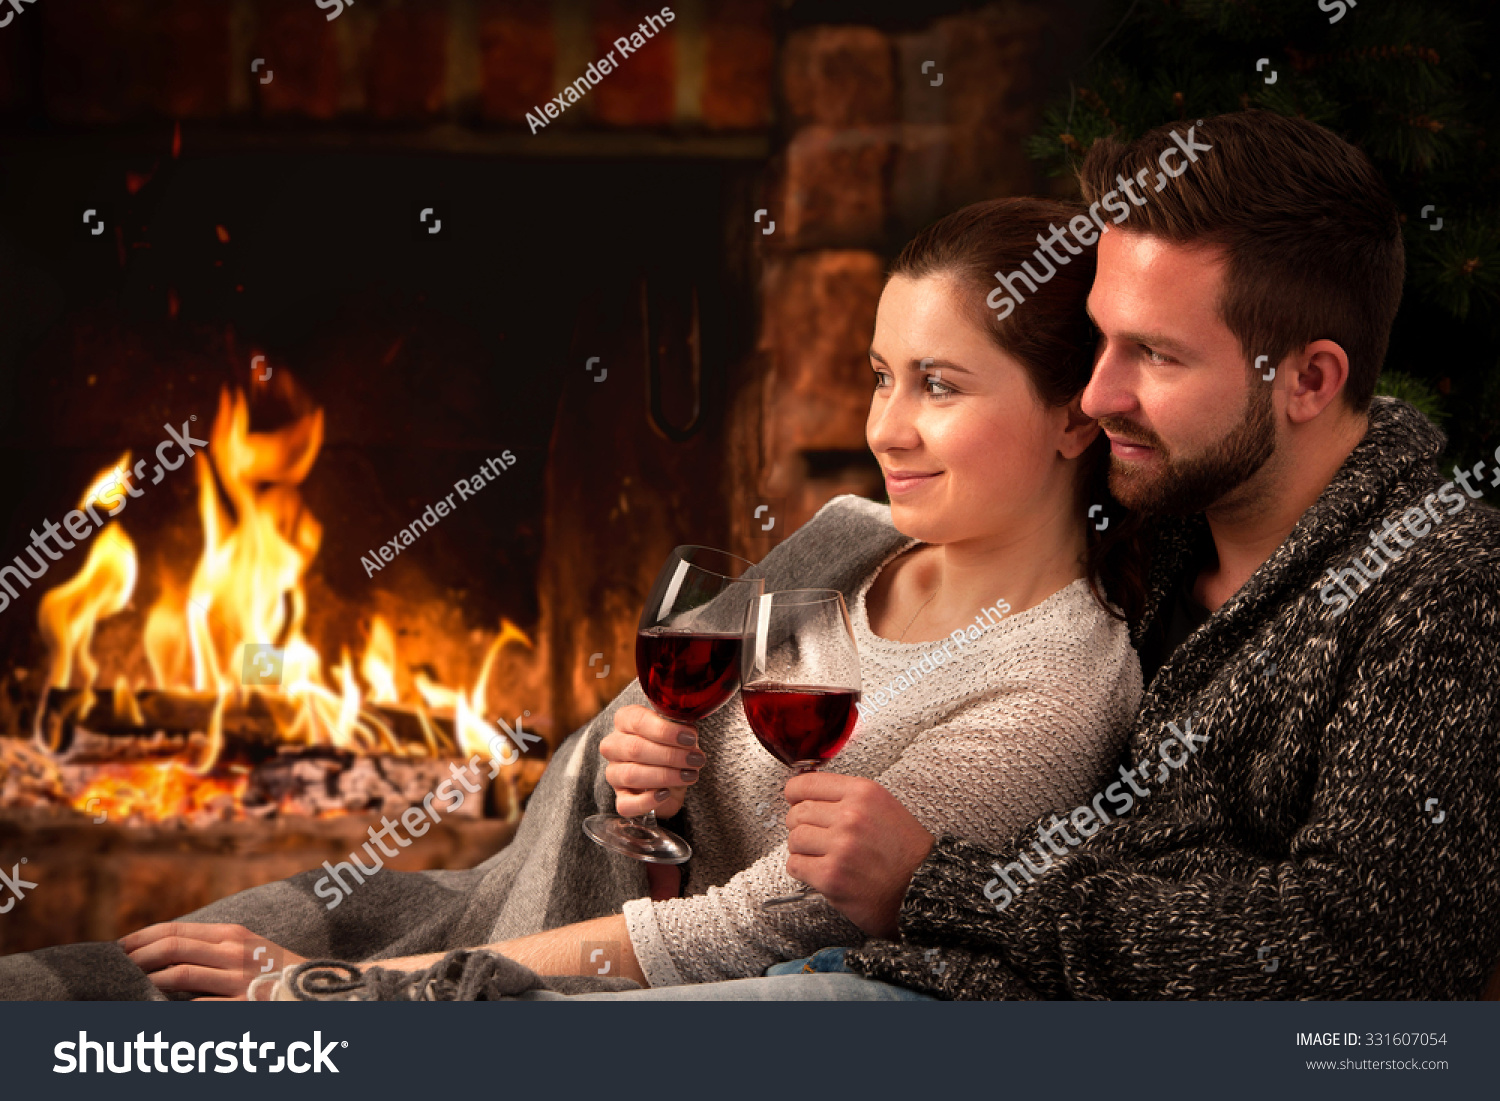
799	682
687	655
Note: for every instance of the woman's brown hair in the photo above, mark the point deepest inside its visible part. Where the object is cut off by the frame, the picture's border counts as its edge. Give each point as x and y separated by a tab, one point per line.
1050	335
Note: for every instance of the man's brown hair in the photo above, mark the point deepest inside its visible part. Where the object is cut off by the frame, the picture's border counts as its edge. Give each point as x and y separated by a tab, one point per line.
1312	237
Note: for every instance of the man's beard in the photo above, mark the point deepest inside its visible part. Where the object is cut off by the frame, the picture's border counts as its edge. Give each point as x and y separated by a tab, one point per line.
1184	487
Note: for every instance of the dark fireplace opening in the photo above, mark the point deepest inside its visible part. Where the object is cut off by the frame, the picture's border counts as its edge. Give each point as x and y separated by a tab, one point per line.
428	352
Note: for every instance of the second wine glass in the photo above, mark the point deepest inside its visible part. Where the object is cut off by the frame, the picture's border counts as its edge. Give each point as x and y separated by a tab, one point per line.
799	674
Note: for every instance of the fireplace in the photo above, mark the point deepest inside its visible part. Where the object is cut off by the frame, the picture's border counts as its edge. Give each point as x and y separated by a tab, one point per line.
452	388
429	465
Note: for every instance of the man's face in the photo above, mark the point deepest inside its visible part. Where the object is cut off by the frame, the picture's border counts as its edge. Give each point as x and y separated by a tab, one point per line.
1188	422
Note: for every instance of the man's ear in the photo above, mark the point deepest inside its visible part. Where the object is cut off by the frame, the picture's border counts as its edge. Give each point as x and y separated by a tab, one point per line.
1079	430
1314	378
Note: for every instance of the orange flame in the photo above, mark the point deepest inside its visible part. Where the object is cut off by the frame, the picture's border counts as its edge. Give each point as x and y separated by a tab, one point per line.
69	613
246	590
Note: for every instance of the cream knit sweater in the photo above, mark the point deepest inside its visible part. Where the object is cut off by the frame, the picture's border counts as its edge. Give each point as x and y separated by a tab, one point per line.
1028	717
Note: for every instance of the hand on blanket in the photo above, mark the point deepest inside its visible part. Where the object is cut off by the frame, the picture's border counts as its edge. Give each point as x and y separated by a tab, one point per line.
650	755
218	961
852	840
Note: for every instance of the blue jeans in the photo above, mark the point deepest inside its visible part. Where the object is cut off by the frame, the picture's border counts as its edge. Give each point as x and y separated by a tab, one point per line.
821	977
826	961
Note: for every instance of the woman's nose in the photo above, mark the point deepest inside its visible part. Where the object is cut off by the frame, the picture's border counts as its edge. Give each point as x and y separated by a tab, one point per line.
892	422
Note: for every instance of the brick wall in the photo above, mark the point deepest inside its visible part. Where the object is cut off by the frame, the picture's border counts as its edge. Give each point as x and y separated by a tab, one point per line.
486	62
876	143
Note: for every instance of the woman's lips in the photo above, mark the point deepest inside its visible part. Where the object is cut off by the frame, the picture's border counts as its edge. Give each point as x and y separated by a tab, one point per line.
906	482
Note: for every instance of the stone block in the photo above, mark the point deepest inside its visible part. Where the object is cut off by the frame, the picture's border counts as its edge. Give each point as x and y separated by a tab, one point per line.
819	315
832	187
995	82
838	76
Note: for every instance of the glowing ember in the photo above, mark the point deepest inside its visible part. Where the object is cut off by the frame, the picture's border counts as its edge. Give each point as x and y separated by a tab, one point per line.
154	792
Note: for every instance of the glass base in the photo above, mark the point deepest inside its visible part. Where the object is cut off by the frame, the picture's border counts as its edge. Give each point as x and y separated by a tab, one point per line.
637	838
802	897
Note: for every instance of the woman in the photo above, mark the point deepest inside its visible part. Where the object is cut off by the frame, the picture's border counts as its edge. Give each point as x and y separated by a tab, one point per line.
992	471
998	676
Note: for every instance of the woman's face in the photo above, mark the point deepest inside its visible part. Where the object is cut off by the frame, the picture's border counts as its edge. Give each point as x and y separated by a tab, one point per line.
968	449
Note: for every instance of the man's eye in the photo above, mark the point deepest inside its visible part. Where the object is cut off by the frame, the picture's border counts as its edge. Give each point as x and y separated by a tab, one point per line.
1156	359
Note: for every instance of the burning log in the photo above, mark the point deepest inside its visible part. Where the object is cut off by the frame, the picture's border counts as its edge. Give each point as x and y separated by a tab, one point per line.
160	723
102	742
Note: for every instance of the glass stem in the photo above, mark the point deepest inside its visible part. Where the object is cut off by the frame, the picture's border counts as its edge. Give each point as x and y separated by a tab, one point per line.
804	893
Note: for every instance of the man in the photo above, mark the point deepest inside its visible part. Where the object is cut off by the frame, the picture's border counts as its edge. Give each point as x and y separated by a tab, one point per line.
1311	802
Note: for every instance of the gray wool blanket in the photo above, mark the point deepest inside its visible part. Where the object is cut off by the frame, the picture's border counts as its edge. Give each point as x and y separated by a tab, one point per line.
550	875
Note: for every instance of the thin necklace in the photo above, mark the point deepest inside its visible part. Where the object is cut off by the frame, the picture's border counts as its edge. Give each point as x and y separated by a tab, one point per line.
919	611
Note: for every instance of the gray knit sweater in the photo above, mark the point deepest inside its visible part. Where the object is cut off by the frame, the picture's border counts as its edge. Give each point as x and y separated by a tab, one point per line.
1334	831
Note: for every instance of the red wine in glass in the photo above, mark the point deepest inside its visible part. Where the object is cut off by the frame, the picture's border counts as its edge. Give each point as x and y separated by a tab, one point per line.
799	672
801	726
687	674
687	655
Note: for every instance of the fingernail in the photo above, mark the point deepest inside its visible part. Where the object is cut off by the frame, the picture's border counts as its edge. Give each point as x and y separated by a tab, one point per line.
662	793
689	775
696	759
687	737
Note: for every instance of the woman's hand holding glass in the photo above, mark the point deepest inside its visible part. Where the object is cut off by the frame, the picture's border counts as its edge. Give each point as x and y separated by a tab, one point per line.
652	762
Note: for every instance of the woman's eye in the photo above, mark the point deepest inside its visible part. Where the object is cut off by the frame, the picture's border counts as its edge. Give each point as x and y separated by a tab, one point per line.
882	380
937	387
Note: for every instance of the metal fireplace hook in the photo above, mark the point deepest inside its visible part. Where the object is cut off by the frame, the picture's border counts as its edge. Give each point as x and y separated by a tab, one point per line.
652	326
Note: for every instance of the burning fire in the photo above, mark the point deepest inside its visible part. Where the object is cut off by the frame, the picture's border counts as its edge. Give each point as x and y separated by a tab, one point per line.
246	590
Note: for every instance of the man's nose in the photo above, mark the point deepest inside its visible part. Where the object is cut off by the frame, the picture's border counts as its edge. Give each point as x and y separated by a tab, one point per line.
1110	391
